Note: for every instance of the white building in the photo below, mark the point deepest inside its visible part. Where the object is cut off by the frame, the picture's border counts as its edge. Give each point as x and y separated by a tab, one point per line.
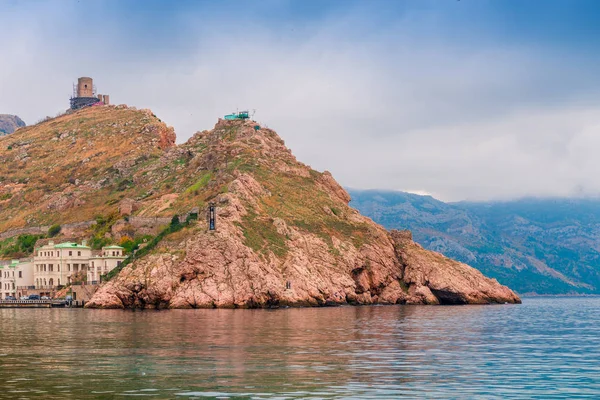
16	276
56	264
101	264
60	264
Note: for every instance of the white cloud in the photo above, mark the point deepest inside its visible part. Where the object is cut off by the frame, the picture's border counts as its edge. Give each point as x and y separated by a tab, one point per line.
389	109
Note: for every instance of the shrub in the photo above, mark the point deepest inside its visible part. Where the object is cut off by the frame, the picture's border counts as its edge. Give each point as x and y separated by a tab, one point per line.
175	226
128	244
191	217
54	230
18	247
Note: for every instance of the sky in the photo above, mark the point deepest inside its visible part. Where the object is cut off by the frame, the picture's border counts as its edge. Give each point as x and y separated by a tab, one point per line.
463	100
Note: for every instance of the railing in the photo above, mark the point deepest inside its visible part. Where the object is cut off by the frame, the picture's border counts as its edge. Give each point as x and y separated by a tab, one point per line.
58	287
32	301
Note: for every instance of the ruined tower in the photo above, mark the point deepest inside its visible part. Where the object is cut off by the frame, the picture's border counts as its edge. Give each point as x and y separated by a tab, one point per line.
85	87
84	94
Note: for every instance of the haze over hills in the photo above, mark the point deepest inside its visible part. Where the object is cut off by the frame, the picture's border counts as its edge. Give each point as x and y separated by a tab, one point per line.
543	246
10	123
285	234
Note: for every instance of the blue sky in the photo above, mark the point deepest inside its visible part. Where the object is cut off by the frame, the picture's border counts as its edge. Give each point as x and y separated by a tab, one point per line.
469	99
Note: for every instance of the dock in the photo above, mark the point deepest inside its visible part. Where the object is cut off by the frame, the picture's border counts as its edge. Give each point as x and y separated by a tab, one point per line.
32	303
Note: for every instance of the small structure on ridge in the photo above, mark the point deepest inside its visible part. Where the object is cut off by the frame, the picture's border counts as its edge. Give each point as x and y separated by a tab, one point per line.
241	115
84	94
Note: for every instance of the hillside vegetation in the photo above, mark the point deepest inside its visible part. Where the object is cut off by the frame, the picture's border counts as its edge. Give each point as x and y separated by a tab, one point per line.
78	165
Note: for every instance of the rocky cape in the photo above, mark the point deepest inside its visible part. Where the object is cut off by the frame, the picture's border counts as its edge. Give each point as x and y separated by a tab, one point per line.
9	124
285	235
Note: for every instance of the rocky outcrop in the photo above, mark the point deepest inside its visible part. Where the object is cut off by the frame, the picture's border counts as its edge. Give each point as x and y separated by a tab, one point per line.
436	279
287	237
128	206
9	124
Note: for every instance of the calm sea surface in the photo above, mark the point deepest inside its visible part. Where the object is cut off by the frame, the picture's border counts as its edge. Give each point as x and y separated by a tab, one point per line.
545	348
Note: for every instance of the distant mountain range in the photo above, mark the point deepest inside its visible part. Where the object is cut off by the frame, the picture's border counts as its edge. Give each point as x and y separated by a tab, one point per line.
10	123
541	246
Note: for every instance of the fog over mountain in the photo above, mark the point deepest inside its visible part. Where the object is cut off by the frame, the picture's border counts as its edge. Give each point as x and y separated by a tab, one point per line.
543	246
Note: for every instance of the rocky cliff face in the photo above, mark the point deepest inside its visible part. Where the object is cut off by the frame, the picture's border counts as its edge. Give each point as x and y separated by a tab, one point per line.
285	236
9	124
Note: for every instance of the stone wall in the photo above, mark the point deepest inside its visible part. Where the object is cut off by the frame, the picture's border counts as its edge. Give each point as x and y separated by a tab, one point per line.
83	292
76	228
34	230
128	226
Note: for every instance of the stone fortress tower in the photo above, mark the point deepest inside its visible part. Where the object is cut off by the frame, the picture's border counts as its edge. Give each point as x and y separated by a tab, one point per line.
85	87
84	94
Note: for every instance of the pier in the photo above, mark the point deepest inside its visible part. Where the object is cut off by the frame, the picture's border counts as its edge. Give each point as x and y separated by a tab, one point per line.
32	303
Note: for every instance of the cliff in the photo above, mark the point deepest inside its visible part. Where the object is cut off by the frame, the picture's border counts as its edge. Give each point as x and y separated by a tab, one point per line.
9	124
285	232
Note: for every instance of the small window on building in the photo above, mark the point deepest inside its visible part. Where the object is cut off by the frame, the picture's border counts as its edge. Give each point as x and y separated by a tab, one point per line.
79	253
70	253
20	274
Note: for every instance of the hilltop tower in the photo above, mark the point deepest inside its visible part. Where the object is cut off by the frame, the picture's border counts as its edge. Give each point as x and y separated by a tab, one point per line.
85	87
84	94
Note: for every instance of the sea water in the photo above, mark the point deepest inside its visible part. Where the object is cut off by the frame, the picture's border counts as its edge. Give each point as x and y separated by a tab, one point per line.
545	348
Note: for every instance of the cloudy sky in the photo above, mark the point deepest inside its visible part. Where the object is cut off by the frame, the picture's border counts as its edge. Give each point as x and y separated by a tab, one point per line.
469	99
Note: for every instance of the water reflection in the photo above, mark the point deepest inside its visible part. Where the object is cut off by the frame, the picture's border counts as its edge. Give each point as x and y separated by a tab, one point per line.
543	348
